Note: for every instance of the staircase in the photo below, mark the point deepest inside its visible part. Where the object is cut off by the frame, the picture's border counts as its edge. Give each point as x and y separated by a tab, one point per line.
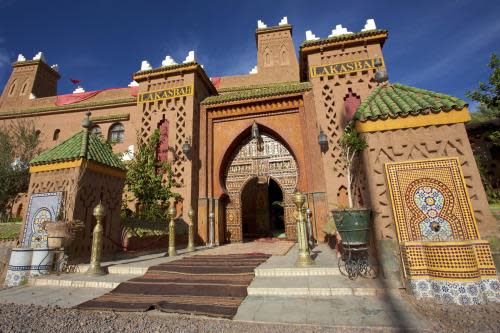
279	277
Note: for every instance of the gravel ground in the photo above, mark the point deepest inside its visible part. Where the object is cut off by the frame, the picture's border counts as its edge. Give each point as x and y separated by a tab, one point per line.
30	318
456	318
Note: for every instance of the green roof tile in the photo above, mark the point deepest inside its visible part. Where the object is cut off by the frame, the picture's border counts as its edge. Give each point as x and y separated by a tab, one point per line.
73	148
256	91
397	100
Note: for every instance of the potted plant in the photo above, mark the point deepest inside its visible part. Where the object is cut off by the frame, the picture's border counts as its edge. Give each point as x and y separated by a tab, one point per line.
351	223
61	232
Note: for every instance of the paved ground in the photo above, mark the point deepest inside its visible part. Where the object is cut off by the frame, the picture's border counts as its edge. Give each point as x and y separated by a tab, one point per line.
274	247
22	318
350	311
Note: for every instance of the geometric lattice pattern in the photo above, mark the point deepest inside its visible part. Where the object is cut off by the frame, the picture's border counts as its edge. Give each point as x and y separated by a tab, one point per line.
452	261
248	161
430	201
460	272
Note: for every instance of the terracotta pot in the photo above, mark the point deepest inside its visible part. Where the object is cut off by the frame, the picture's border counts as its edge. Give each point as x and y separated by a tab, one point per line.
58	234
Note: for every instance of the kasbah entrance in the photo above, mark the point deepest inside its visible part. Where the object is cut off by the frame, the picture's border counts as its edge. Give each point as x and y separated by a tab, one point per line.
241	146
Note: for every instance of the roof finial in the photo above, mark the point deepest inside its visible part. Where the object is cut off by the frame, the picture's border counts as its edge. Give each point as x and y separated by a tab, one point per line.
86	123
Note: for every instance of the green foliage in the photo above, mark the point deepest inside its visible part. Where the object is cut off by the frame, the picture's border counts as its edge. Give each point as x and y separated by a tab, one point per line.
150	181
493	194
351	143
20	143
488	94
143	228
10	230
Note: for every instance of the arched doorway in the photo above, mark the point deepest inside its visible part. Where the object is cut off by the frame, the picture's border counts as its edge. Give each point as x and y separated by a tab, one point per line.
260	180
262	213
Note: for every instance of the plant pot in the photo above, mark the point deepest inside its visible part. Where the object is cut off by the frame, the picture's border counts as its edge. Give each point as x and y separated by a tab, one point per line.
58	234
353	225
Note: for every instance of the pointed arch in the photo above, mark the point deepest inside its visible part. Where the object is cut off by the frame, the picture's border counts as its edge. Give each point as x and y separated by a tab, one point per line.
284	55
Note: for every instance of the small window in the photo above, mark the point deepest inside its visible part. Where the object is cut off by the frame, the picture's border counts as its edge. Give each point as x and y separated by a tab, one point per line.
56	134
23	90
12	88
116	133
37	133
96	129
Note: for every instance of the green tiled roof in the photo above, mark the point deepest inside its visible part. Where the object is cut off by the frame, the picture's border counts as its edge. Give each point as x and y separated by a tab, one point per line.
396	100
72	149
257	91
344	37
111	117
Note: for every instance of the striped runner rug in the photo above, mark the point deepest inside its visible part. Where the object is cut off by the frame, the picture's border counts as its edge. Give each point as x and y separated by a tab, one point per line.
201	284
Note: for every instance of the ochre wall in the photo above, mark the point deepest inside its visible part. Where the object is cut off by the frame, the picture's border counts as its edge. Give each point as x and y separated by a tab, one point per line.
329	94
417	144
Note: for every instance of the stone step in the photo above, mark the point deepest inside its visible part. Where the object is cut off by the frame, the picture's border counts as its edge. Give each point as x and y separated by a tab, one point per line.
79	280
296	271
304	286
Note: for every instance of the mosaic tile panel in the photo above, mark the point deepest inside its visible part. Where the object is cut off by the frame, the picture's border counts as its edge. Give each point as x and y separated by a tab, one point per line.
430	201
463	293
42	207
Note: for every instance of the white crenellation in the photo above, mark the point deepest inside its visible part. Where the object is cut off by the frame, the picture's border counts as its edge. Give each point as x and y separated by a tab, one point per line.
284	21
145	65
39	56
261	24
310	35
339	30
32	96
129	154
190	57
369	25
168	61
55	67
254	70
133	84
79	90
20	57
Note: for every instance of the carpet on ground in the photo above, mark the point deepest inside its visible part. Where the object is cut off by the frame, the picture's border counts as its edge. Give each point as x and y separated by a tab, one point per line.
204	285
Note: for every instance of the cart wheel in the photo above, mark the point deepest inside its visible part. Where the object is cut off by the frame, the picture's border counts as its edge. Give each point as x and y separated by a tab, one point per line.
342	268
370	272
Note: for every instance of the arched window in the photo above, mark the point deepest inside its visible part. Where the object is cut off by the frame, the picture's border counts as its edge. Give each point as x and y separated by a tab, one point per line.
267	57
12	88
96	129
37	133
56	134
116	133
284	55
23	89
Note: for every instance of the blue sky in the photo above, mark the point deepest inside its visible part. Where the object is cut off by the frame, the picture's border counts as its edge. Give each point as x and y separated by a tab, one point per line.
438	45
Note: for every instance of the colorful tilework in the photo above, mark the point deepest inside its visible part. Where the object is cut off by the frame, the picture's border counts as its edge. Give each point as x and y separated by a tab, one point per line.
42	207
430	201
457	261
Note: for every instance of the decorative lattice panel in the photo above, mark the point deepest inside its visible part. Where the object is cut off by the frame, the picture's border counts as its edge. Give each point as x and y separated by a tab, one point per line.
273	160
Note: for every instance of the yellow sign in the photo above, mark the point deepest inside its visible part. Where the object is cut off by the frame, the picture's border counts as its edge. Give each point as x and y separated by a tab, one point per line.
164	94
344	67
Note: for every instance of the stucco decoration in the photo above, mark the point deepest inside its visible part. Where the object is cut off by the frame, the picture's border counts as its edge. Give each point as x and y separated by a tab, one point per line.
42	207
273	160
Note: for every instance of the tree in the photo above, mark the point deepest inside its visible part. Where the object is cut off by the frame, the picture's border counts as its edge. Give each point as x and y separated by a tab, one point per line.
350	143
488	94
150	181
20	143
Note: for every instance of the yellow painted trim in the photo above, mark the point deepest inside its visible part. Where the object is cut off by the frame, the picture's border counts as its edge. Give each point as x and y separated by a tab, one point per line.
110	171
445	244
140	97
313	74
76	163
55	166
410	121
428	277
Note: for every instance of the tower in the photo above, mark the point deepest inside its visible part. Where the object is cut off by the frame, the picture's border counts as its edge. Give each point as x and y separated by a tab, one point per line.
29	79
